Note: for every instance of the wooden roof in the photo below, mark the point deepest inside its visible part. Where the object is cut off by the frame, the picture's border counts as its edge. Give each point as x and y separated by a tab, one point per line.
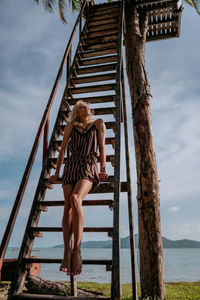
164	18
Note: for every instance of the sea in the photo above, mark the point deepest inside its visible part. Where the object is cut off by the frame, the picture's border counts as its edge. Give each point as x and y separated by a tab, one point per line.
181	264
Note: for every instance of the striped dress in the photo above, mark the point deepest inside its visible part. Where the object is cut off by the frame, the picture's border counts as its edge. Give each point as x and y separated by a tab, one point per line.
82	162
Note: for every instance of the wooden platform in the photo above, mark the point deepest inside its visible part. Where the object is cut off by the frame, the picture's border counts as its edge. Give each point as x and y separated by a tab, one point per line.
164	18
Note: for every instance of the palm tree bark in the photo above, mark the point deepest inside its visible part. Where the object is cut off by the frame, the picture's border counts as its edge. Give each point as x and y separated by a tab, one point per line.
150	239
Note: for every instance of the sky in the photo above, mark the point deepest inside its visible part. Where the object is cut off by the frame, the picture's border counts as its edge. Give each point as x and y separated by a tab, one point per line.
31	48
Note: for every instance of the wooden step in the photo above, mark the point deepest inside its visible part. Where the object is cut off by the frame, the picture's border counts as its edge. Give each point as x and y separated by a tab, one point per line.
59	229
108	141
96	53
105	111
102	21
96	69
109	158
101	27
108	188
101	39
92	89
114	14
105	5
104	187
109	125
58	261
96	78
100	46
106	11
97	99
54	297
98	60
101	111
101	33
100	202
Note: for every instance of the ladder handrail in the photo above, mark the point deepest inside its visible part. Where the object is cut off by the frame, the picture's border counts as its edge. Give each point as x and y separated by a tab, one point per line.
44	121
116	278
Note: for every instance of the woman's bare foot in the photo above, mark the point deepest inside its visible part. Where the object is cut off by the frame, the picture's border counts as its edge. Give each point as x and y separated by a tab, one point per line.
65	266
76	262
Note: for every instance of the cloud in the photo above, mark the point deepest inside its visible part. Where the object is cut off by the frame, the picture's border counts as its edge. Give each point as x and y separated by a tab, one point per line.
32	45
174	208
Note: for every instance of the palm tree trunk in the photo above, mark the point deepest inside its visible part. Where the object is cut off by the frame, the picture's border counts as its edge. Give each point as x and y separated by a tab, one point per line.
150	239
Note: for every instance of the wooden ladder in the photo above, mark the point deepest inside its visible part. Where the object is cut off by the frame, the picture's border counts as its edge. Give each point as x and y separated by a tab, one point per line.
97	67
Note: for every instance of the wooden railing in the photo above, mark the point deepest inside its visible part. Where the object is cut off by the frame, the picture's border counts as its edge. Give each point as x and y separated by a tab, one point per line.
43	129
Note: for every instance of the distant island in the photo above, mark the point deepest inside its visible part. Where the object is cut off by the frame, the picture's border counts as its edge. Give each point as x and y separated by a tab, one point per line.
125	243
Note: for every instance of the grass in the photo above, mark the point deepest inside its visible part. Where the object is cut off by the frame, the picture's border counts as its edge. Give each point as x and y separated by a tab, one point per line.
174	290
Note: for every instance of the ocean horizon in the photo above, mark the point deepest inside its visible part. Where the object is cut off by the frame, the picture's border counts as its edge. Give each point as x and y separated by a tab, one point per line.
180	264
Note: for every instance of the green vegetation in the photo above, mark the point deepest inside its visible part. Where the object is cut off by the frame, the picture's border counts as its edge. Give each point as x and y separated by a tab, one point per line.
175	290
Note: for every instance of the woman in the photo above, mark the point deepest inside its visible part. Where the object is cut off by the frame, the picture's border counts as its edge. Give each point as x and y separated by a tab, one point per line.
82	135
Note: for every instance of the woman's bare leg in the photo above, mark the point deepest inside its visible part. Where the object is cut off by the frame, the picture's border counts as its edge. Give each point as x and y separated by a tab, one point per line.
81	189
67	228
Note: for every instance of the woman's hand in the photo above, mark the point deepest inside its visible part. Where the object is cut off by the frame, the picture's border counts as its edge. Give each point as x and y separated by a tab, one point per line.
103	176
53	178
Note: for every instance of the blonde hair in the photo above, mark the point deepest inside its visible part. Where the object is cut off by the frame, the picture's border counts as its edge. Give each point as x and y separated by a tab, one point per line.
73	117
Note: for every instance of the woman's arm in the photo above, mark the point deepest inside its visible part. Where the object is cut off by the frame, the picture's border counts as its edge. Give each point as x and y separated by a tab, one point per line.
102	157
67	133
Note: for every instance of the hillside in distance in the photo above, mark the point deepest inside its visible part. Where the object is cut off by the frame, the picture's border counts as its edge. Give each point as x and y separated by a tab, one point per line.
125	243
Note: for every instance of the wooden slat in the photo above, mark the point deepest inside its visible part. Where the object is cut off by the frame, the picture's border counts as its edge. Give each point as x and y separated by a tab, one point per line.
150	27
99	46
150	3
108	15
58	260
103	26
96	69
161	5
108	141
108	188
99	60
179	13
108	159
103	111
97	78
154	19
105	5
105	188
97	99
163	36
98	52
167	16
101	39
49	297
109	125
92	89
101	33
100	202
158	22
59	229
100	12
102	21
